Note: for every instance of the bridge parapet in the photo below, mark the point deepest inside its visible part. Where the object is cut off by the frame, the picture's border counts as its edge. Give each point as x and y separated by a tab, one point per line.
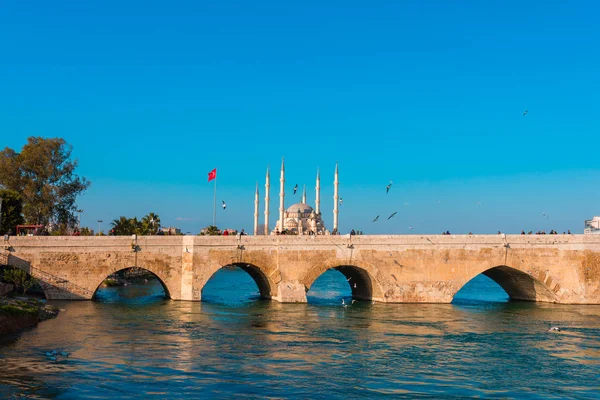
385	268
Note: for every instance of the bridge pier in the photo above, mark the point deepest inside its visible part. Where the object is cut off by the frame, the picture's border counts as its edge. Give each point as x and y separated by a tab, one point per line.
290	292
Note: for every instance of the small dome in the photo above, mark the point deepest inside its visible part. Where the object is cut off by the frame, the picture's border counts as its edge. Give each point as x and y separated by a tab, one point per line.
305	208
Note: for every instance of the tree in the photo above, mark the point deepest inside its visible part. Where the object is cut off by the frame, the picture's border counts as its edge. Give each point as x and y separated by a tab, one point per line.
20	278
85	231
44	175
10	211
150	224
210	230
123	226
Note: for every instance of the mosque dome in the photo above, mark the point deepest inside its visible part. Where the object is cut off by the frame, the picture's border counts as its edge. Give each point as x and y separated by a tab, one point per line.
304	208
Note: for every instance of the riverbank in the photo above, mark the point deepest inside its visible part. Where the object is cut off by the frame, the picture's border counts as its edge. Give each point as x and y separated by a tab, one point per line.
19	314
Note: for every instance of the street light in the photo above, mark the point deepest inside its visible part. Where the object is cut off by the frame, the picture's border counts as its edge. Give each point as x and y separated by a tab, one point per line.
79	220
99	222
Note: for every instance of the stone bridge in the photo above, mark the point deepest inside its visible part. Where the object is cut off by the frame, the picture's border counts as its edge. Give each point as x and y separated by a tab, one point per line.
388	269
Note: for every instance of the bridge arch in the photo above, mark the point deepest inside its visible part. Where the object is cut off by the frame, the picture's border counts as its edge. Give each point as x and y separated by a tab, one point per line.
361	279
267	287
519	285
106	274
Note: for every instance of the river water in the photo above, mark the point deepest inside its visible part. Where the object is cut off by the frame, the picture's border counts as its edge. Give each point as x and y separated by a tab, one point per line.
132	343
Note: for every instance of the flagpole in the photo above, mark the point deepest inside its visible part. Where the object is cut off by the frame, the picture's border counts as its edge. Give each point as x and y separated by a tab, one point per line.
215	204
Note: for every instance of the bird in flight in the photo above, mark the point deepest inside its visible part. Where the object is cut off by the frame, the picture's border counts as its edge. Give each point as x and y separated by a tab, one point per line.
393	214
544	215
295	188
405	204
525	112
388	187
410	228
376	218
478	203
341	201
223	204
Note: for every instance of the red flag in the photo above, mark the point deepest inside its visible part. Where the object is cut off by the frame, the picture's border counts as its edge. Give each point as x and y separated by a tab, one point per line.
212	175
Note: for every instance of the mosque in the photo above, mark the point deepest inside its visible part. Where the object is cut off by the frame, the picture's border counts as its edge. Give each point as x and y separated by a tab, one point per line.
299	218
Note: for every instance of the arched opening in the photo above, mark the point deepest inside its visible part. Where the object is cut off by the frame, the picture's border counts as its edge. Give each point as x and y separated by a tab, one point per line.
131	285
481	289
501	284
346	282
235	284
15	281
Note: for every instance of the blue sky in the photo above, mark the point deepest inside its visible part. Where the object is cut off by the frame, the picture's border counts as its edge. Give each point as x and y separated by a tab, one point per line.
429	94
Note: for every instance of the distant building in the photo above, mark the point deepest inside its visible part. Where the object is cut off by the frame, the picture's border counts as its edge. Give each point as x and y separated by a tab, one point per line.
170	230
299	218
592	226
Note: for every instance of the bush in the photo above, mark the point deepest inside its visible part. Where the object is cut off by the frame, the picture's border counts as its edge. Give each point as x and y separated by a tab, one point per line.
20	278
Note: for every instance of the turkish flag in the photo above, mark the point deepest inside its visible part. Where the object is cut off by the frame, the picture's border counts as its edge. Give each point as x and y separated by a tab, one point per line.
212	175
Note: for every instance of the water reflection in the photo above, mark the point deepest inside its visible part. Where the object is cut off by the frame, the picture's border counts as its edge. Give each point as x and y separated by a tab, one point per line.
329	289
230	286
234	343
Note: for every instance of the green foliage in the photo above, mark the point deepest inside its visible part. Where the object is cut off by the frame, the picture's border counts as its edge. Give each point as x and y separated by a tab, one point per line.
18	307
110	282
85	231
211	230
44	175
149	225
11	213
60	230
123	226
20	278
11	309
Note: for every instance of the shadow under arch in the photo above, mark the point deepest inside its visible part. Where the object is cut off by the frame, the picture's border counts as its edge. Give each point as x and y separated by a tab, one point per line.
518	285
160	280
266	287
362	284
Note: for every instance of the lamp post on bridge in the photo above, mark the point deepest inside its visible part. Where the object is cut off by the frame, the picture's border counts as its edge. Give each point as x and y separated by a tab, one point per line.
99	222
79	219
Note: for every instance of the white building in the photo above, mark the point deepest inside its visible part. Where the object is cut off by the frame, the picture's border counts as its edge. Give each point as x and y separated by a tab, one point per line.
592	226
299	218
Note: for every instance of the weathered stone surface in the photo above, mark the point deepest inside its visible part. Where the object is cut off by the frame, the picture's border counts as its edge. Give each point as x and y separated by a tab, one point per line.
398	268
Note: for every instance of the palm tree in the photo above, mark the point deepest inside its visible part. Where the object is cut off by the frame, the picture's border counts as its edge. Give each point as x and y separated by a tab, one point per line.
212	230
150	224
122	226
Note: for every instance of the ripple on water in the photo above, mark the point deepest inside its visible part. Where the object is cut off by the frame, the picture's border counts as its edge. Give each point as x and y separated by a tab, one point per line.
235	345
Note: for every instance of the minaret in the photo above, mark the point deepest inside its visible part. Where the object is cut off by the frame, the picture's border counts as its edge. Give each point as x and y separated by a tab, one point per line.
336	184
256	211
281	195
267	186
318	196
304	195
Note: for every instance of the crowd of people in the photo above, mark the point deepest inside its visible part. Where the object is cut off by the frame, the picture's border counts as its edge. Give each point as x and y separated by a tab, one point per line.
552	232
